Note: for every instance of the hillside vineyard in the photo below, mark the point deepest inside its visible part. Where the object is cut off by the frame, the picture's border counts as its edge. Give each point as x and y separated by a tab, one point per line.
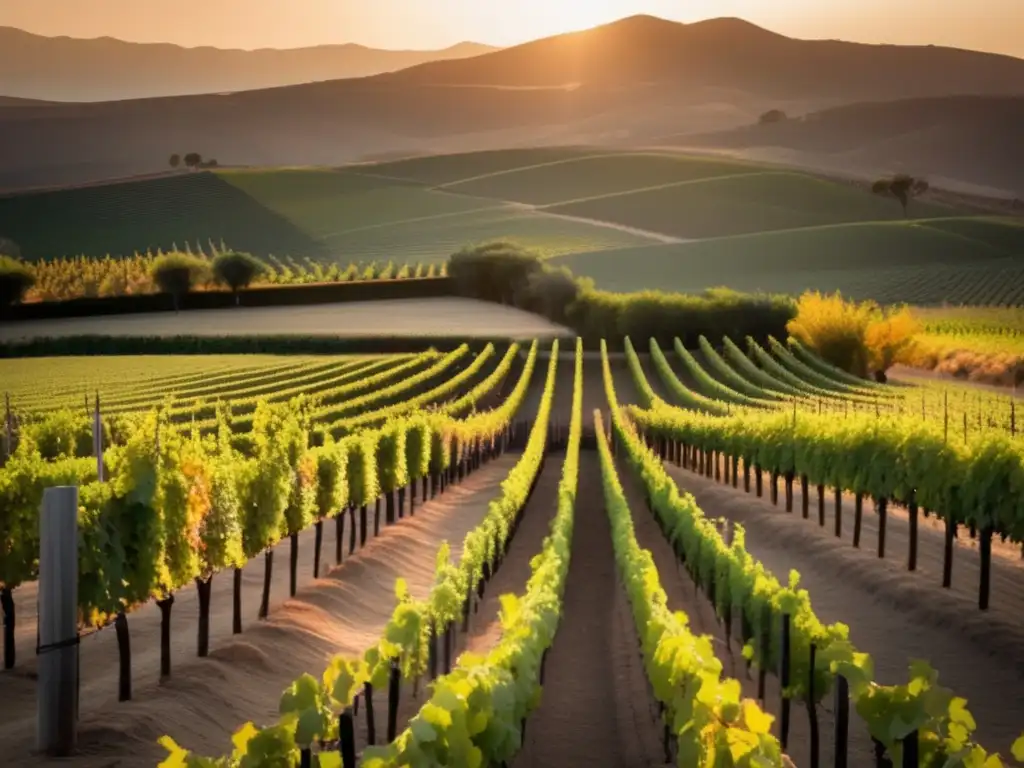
681	222
461	484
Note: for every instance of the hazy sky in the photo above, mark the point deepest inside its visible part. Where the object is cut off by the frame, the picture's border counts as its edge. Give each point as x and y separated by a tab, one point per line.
992	25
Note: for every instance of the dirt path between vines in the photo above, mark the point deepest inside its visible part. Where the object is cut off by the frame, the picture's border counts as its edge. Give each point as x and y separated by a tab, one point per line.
206	700
595	708
511	577
893	615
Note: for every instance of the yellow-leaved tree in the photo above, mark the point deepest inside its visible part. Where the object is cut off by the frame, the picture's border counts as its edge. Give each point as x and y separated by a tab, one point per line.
859	337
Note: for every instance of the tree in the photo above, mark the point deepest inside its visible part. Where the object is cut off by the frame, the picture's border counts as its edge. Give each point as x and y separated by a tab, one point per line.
550	292
175	160
177	273
902	187
193	159
237	270
495	271
772	116
15	279
888	337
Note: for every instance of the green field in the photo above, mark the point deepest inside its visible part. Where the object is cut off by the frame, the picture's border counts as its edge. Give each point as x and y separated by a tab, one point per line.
889	262
328	215
607	214
746	204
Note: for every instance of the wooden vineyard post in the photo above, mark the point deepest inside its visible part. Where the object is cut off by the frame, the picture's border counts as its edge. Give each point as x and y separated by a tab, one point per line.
347	738
318	540
236	602
268	573
839	511
7	606
765	639
881	507
812	711
947	553
842	721
911	750
371	725
784	683
57	685
394	689
858	514
985	552
912	519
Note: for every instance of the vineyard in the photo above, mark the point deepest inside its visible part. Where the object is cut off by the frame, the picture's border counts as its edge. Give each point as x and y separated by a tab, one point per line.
71	278
630	220
457	529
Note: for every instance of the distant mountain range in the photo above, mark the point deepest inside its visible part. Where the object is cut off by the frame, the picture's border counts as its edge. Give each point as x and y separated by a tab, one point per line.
626	82
102	69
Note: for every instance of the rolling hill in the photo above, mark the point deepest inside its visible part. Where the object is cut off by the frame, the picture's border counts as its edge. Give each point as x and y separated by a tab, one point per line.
628	220
107	69
629	81
971	142
730	53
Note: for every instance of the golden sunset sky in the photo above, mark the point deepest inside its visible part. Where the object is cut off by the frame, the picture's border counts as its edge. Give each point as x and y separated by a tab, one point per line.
989	25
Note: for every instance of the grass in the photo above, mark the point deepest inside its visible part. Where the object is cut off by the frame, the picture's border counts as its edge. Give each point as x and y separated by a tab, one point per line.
743	204
436	238
594	176
890	262
445	169
329	216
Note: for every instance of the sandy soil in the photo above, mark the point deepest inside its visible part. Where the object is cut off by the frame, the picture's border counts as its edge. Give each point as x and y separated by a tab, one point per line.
399	317
893	615
535	524
595	709
206	700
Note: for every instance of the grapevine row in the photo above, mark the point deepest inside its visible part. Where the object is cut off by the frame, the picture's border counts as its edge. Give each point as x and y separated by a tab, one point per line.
711	723
499	691
680	392
733	580
710	385
310	724
176	509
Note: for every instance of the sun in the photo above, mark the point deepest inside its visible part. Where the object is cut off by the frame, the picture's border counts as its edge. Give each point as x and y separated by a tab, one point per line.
557	16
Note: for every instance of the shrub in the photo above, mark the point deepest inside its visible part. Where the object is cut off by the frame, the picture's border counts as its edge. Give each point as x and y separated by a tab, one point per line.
237	270
15	279
549	292
177	273
496	271
506	273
